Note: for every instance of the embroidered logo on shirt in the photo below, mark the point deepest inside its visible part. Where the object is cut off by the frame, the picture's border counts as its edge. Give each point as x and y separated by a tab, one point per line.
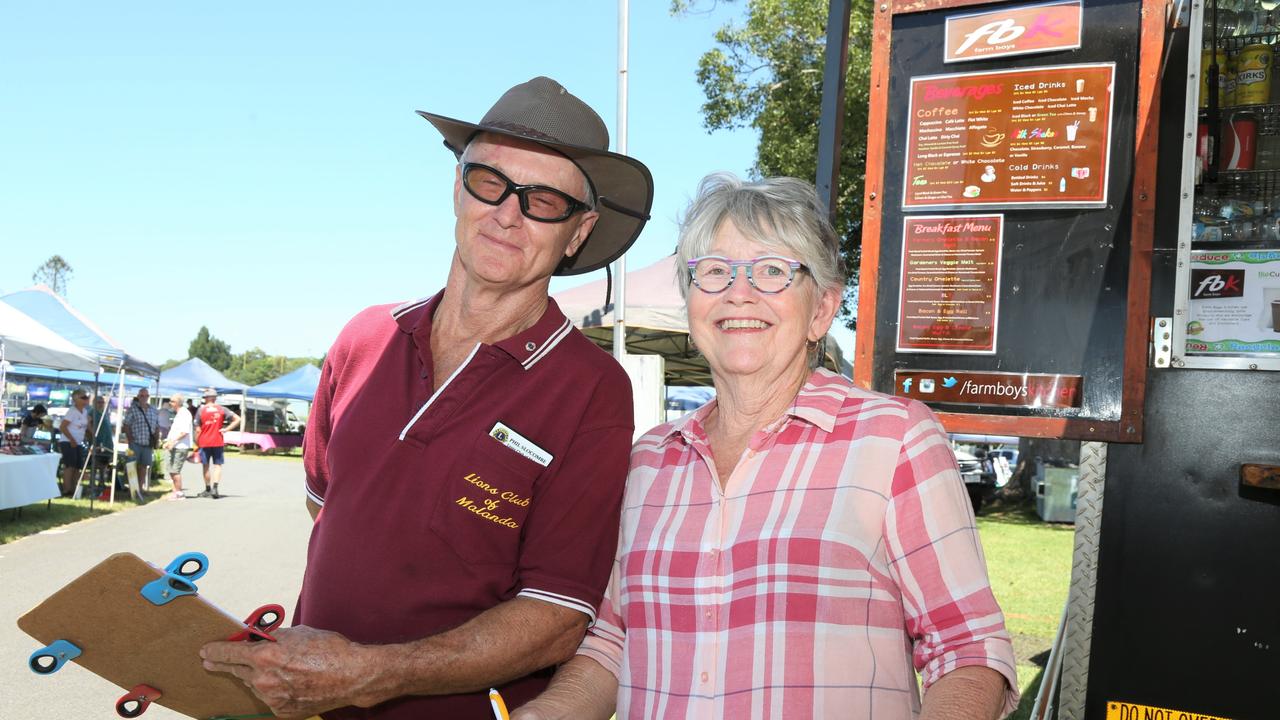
491	508
520	444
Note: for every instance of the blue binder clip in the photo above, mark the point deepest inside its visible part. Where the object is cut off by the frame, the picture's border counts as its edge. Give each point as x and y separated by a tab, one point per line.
179	578
50	659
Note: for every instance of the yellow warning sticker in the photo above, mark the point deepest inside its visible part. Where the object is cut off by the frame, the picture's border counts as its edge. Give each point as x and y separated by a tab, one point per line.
1129	711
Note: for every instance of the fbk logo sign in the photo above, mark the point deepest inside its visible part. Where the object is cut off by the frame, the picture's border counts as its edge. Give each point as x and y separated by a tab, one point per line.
1216	283
1014	31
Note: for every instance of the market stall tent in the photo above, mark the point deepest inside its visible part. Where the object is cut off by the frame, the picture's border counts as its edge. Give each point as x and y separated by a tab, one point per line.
23	340
195	375
55	313
300	384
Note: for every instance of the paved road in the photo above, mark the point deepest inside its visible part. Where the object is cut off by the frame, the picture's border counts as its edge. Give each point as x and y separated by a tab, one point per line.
256	540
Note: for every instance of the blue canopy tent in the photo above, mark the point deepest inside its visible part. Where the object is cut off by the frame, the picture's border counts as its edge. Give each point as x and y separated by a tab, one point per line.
300	384
50	310
193	376
79	376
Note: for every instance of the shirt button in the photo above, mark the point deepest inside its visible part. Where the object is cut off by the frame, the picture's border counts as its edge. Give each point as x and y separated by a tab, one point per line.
705	677
530	346
708	614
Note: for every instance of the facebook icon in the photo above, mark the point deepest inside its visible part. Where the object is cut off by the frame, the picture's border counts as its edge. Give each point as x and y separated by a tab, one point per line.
906	386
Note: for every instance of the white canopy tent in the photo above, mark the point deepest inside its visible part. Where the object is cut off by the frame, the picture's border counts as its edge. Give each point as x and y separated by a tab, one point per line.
656	322
24	341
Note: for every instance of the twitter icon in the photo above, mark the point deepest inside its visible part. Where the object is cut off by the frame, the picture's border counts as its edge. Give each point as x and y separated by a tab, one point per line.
949	382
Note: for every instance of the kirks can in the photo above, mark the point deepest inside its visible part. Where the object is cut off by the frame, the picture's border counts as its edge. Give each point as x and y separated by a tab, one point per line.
1239	142
1253	75
1206	59
1228	78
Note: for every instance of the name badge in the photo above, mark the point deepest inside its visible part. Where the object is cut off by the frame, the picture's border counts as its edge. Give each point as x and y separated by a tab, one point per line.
520	444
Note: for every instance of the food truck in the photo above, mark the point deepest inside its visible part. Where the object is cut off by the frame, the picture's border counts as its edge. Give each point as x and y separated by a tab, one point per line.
1072	230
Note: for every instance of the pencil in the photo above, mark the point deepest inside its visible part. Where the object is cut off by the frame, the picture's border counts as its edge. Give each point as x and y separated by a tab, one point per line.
499	707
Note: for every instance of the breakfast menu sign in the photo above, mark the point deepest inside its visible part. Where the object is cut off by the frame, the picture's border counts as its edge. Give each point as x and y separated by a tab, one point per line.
948	301
1031	137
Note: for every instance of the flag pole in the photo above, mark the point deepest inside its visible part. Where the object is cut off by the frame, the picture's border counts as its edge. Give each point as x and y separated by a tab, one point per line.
620	265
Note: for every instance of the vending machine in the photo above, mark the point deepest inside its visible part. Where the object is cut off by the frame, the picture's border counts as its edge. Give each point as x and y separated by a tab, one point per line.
1072	230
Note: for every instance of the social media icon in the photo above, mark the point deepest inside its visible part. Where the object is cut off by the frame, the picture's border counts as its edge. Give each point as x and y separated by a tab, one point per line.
949	382
926	385
906	385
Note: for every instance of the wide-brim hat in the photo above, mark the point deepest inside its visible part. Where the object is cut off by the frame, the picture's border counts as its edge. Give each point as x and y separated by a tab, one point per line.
542	111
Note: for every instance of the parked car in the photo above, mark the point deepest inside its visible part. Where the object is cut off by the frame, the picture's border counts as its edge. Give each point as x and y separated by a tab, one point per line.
977	482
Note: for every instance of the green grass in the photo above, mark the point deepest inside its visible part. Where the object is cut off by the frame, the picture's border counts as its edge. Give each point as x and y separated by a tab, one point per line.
43	516
1029	562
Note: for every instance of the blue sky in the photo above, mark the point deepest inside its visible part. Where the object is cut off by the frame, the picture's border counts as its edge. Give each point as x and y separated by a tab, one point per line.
258	167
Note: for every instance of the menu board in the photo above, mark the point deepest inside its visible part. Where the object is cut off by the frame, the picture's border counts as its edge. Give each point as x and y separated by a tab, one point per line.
1235	303
949	294
1032	137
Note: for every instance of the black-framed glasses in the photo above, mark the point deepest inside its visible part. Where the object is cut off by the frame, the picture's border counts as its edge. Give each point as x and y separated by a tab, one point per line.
537	202
769	274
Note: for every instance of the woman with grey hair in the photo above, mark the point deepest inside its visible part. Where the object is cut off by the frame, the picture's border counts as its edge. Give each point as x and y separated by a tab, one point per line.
797	547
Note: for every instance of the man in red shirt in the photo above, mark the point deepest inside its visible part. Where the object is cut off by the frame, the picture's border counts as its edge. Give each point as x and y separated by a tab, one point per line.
211	429
466	453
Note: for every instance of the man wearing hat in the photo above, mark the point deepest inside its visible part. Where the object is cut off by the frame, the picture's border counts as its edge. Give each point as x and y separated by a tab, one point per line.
466	452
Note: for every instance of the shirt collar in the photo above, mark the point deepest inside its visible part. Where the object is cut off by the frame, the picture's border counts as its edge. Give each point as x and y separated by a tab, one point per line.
817	403
526	348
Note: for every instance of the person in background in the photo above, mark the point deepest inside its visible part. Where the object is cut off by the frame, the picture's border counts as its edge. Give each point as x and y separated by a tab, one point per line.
212	427
74	429
33	420
101	429
177	443
164	419
798	547
102	447
141	428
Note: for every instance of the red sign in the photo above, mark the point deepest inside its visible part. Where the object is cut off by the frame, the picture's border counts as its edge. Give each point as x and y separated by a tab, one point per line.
1034	137
1014	31
948	300
981	388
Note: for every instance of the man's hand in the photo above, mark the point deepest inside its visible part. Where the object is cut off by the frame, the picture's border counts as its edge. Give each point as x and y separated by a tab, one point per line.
168	444
305	672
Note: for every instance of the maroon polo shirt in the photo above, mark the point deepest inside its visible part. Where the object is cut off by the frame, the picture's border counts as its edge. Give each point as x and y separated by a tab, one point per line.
438	506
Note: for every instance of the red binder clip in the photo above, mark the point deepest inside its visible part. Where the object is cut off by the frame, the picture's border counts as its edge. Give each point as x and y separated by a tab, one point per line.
136	701
259	624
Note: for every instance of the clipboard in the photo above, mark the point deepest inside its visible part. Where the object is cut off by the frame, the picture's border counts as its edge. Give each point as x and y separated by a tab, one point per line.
142	628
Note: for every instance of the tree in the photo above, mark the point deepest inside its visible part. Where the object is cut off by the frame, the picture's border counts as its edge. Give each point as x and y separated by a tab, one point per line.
767	74
55	272
211	350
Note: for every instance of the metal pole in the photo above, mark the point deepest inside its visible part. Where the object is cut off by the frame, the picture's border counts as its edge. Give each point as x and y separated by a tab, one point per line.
620	265
831	122
1084	580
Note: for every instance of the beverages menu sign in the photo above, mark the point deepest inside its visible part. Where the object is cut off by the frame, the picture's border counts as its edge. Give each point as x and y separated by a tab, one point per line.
949	296
1032	137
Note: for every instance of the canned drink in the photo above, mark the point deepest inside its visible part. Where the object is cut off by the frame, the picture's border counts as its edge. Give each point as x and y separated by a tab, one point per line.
1253	75
1228	79
1206	59
1239	142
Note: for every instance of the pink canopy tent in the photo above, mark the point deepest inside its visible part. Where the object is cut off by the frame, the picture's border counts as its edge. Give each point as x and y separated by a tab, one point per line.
656	322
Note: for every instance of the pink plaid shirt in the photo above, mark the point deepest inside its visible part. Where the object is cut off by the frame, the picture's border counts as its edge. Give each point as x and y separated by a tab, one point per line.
841	551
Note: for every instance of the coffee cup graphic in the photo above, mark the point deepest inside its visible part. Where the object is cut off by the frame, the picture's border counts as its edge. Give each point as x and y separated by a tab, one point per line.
1270	319
1080	86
